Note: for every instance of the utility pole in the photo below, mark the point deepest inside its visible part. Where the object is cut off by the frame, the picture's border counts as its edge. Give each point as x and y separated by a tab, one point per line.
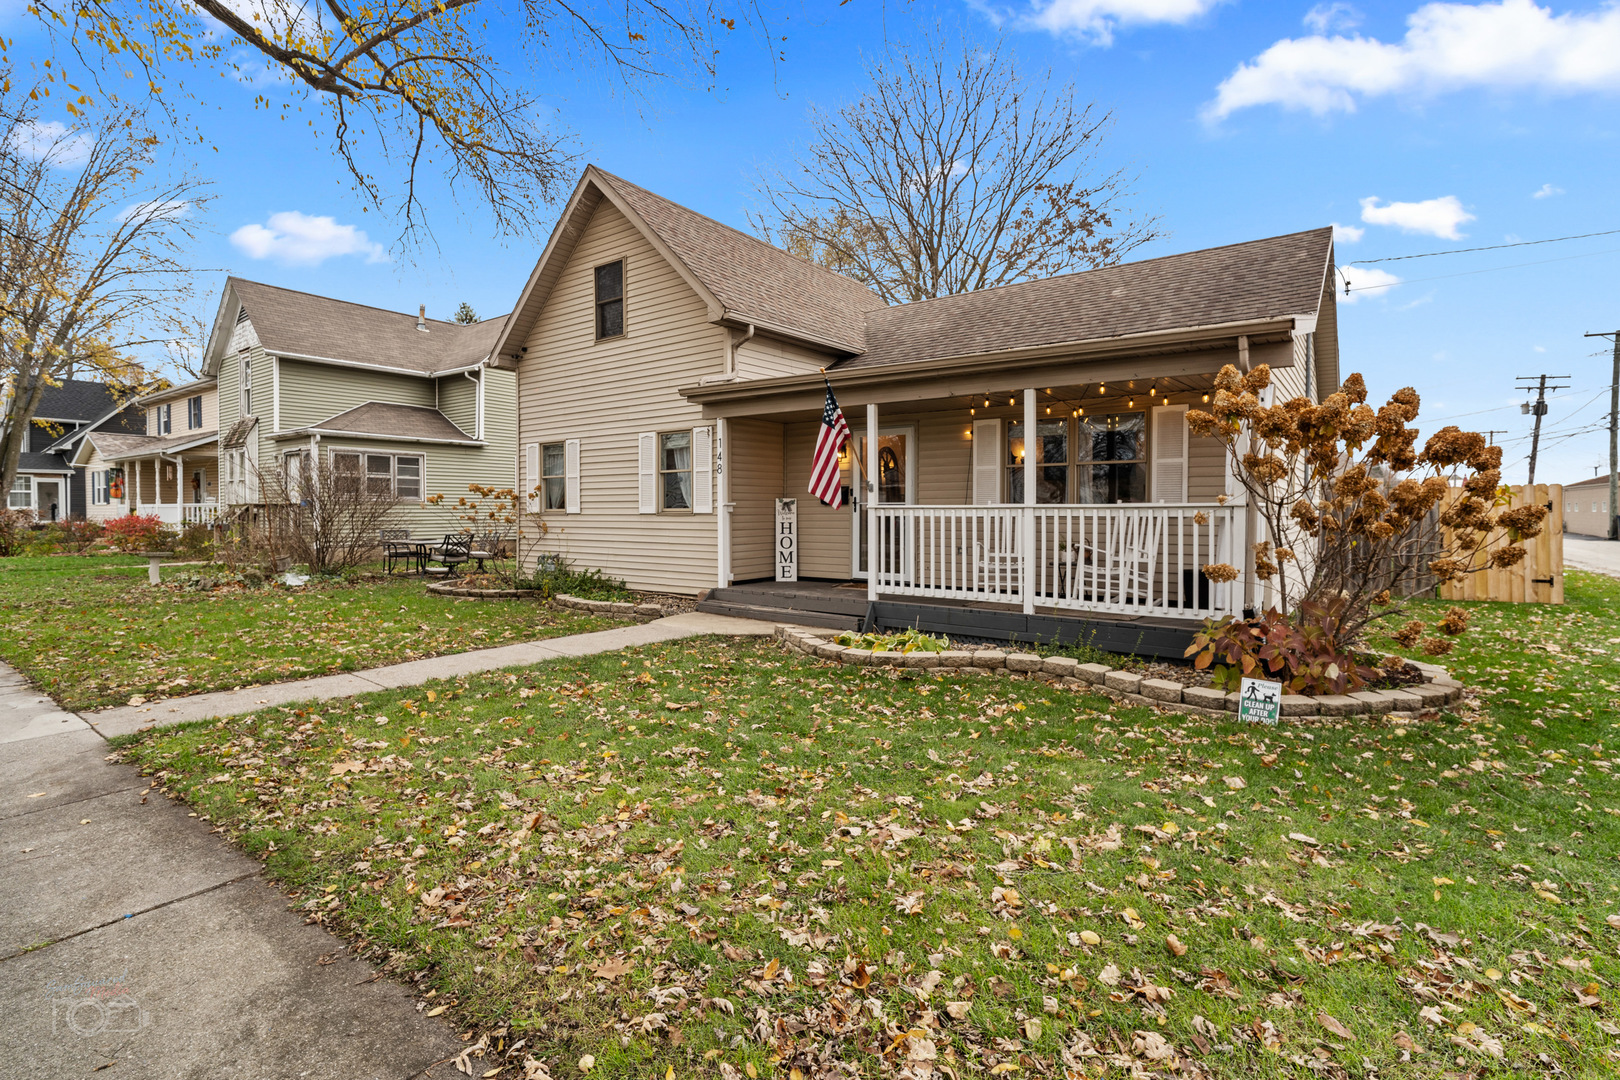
1490	436
1614	437
1540	410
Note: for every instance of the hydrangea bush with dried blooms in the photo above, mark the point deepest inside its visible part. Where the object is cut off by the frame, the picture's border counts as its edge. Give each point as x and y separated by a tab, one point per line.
1352	513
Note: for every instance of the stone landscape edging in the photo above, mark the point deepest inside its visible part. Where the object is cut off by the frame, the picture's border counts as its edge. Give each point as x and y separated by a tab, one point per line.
446	588
1437	689
611	607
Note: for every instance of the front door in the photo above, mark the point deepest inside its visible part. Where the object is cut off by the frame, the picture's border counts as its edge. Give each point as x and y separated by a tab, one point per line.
48	501
895	470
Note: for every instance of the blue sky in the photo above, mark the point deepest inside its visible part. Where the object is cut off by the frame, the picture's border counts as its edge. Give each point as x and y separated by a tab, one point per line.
1420	127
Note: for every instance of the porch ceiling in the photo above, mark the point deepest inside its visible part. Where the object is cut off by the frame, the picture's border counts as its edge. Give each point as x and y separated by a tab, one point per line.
1050	400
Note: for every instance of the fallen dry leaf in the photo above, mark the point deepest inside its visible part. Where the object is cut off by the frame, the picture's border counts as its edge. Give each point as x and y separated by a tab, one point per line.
1334	1026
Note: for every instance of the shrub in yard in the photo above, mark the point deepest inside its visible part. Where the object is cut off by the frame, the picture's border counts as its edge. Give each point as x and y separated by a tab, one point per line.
78	534
195	542
14	527
136	532
1351	510
1297	651
557	575
909	640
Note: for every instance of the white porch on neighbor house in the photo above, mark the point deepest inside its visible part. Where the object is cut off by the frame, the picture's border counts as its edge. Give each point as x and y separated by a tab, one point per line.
178	487
186	513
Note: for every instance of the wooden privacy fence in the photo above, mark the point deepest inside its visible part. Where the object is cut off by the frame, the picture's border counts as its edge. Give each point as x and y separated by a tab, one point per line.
1539	579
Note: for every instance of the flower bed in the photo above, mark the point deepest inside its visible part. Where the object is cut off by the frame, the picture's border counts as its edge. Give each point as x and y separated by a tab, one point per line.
1437	689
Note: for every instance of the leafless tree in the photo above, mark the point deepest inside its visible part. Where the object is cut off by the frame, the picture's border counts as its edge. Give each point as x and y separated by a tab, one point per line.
322	513
952	173
404	83
90	254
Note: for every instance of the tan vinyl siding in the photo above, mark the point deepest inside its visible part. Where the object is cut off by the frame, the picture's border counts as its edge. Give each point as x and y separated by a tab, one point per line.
1206	469
458	399
824	536
763	357
311	393
101	511
605	393
1327	376
755	459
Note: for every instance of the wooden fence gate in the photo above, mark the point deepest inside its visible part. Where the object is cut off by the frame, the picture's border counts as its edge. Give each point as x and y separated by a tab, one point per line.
1539	579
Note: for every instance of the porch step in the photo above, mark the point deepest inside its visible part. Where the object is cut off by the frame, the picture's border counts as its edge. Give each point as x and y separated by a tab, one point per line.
851	602
797	616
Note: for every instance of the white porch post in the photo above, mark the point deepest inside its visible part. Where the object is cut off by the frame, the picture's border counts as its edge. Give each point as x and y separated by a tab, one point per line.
869	492
722	438
1027	541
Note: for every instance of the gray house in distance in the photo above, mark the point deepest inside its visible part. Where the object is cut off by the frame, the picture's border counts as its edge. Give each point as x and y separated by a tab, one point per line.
48	481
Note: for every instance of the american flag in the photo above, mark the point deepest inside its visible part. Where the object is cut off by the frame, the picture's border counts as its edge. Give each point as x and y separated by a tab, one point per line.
824	482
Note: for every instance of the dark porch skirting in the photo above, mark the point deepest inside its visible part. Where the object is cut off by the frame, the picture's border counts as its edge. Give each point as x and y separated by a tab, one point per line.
1157	638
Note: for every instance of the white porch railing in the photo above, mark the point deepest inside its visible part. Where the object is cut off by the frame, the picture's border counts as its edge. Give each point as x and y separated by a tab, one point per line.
203	513
1136	559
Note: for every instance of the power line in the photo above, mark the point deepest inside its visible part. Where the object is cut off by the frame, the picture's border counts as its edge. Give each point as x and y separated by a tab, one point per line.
1468	273
1487	247
1540	410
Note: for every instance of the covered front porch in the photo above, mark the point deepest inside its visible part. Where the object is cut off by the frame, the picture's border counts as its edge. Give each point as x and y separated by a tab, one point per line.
178	486
1079	508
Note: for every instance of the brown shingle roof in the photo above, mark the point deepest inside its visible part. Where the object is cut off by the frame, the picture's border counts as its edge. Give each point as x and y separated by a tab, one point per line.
307	325
1259	279
754	281
394	421
115	447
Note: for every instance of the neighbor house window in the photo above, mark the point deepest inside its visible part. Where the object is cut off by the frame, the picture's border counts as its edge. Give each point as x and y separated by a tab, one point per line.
1112	458
610	300
165	419
247	385
194	412
1051	461
675	470
553	477
399	474
98	487
21	496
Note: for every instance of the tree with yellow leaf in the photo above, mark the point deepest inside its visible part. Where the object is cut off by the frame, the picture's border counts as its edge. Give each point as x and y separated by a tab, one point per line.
90	256
413	80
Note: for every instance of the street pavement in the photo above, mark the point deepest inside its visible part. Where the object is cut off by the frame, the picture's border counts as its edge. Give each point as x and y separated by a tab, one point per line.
1592	553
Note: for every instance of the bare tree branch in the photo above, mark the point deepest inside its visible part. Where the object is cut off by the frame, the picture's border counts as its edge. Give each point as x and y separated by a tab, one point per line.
952	174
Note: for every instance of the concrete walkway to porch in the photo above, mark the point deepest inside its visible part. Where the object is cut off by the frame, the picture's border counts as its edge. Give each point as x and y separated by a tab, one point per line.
127	718
137	941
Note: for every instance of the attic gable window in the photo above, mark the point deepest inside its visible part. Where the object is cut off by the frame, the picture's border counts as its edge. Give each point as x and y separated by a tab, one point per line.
610	300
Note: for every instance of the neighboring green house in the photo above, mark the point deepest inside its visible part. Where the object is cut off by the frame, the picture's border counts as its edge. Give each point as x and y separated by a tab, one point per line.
405	400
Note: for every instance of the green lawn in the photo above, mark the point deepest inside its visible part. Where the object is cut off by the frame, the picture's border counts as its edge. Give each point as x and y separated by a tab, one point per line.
718	859
90	632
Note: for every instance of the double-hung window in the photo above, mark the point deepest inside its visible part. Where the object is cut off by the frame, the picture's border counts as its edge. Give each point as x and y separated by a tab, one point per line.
610	300
553	477
165	419
98	487
194	413
408	477
382	474
379	474
247	385
21	496
1112	458
1051	461
675	470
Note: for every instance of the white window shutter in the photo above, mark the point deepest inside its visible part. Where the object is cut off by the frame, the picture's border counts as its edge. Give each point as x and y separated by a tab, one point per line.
1170	454
703	470
986	462
647	471
531	476
571	472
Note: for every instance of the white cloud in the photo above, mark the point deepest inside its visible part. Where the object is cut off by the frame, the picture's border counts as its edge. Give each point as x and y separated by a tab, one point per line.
1546	191
167	209
51	140
1347	234
1365	281
305	240
1434	217
1448	46
1325	18
1097	19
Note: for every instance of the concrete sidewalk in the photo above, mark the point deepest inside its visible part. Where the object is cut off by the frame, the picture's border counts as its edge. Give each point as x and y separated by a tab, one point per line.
137	943
127	718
